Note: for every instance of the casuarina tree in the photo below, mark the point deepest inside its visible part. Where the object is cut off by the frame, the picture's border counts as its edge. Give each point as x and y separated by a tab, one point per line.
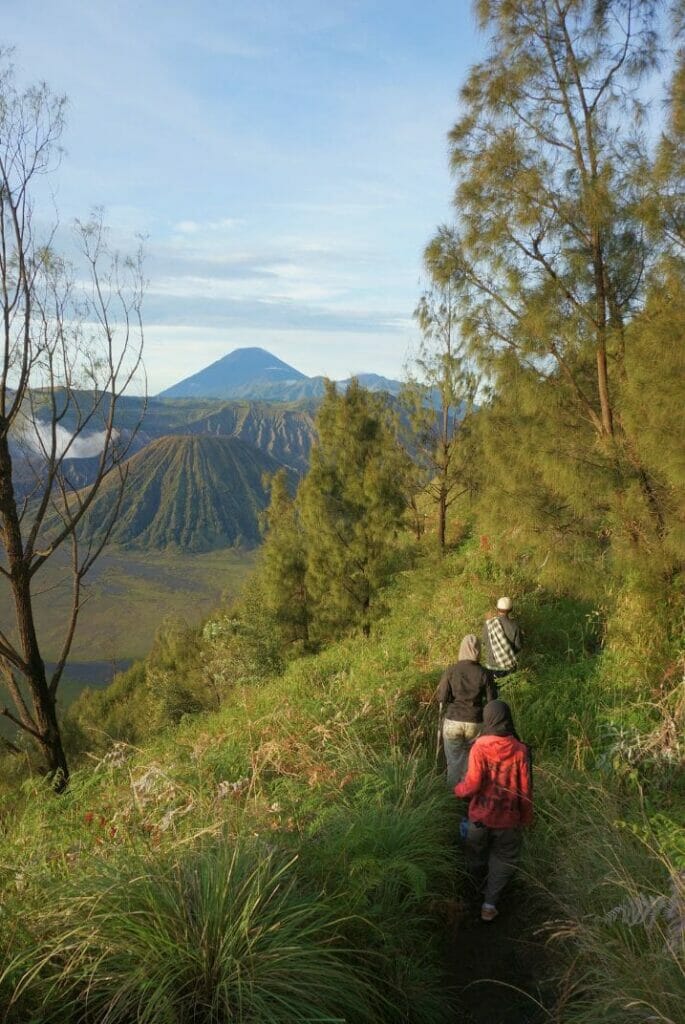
283	569
438	401
553	254
70	346
351	502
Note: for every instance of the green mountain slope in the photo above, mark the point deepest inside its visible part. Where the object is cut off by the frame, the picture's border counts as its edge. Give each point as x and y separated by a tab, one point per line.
193	493
286	434
284	430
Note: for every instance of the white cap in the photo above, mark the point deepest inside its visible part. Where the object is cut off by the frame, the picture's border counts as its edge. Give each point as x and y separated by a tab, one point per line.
504	604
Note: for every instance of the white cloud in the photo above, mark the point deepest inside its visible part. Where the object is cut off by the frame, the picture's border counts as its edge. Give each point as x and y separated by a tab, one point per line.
38	437
195	227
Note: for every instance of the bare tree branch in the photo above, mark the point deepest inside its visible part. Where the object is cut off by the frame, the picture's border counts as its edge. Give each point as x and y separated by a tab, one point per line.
67	356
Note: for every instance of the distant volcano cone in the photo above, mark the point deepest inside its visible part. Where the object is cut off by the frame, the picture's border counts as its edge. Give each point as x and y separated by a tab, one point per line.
255	373
242	372
191	493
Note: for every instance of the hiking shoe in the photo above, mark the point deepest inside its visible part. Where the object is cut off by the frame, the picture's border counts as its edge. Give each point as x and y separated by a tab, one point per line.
488	912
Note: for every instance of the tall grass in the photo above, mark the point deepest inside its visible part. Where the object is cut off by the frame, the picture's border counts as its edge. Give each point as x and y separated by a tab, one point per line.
355	851
383	848
221	934
616	899
387	836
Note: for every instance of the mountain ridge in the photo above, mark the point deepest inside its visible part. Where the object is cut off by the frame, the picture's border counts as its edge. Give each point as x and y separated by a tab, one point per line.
255	373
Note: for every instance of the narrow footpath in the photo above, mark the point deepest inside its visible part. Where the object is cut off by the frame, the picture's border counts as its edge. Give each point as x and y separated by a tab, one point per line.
500	970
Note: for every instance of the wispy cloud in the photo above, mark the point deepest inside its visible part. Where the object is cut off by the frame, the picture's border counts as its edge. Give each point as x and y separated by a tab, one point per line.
195	227
37	437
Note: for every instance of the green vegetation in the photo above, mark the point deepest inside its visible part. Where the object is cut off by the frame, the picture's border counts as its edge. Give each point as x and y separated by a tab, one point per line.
287	760
329	552
567	266
221	933
329	761
284	565
439	408
351	505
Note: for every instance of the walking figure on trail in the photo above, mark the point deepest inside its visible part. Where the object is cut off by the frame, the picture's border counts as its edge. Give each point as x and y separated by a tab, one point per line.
502	639
499	785
463	690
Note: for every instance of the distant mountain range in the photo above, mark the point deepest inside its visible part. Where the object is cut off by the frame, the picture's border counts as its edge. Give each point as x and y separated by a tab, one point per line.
257	374
195	475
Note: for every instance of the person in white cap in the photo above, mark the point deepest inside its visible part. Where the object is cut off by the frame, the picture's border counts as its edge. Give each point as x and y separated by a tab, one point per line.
502	640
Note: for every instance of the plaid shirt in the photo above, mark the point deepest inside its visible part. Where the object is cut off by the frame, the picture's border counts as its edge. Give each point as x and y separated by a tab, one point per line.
500	645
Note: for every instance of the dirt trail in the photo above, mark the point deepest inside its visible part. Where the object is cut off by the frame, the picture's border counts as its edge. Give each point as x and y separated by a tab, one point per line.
501	969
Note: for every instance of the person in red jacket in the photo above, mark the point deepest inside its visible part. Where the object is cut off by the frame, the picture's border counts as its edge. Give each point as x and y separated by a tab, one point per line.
499	787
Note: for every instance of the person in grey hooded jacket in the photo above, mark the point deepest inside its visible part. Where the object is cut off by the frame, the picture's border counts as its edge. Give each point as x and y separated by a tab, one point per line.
462	691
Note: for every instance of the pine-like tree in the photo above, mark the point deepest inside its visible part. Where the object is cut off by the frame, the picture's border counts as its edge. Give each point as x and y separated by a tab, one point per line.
351	502
438	401
283	567
555	185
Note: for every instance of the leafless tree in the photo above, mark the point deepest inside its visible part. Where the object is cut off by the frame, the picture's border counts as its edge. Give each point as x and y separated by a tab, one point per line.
71	342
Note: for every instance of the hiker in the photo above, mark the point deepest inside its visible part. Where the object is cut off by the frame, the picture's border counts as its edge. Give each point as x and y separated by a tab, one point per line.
501	639
463	690
500	787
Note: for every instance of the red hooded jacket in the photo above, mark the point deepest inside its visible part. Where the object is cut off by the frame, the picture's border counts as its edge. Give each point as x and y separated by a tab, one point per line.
499	782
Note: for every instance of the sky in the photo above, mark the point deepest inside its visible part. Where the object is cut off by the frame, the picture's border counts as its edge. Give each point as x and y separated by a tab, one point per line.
284	160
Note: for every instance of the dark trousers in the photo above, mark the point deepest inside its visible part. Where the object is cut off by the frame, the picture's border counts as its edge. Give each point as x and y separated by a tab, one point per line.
493	852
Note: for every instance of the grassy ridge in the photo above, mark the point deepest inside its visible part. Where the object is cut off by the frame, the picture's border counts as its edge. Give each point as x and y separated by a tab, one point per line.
331	764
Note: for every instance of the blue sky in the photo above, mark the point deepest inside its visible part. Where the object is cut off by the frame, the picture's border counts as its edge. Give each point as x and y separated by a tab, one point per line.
286	161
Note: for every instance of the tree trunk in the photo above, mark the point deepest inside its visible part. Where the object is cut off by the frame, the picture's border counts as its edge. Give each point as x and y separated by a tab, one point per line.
43	726
51	739
366	605
603	384
417	518
442	517
601	321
